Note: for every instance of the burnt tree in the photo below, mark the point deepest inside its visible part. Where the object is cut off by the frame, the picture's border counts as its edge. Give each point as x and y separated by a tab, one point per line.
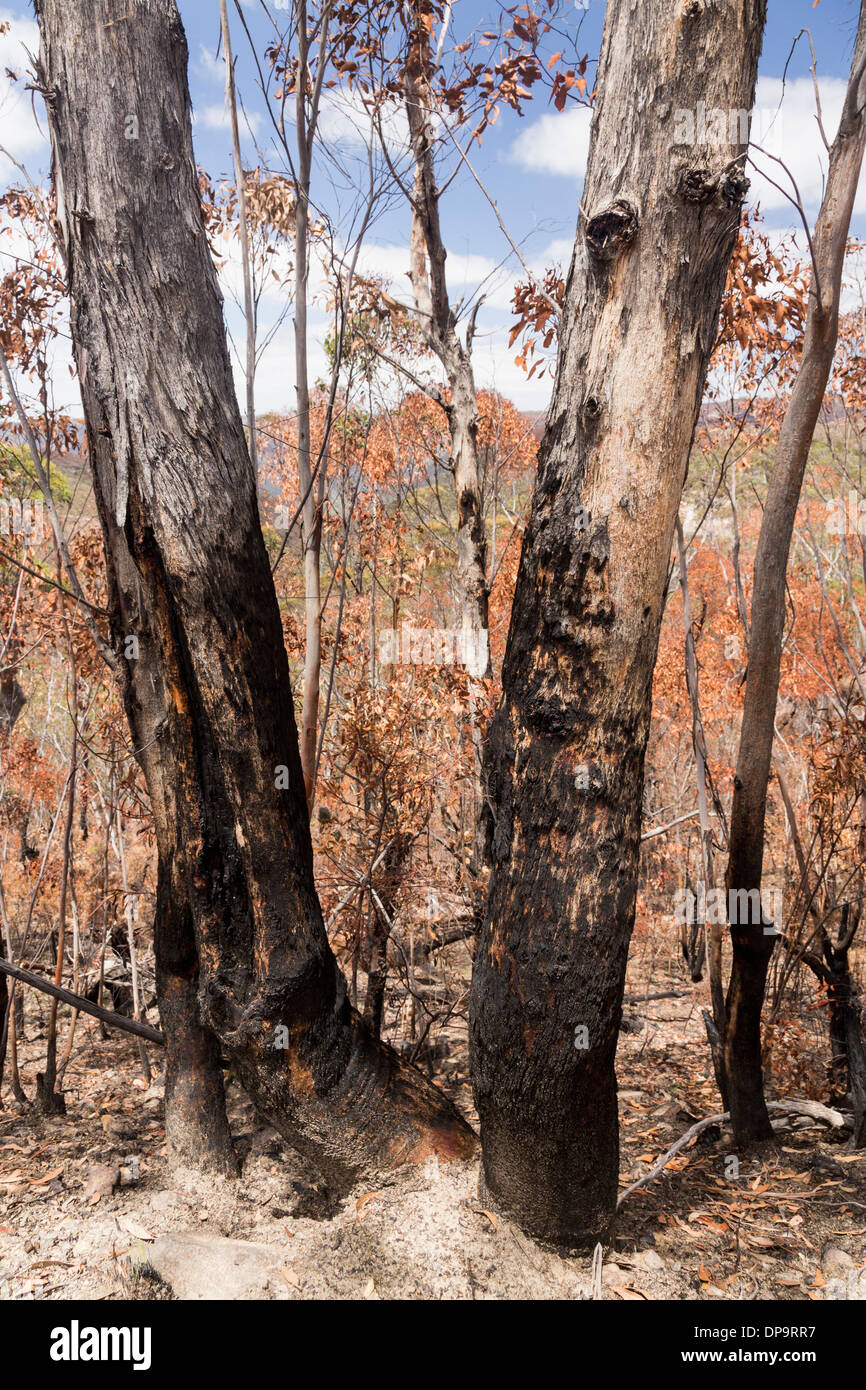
753	941
242	954
657	226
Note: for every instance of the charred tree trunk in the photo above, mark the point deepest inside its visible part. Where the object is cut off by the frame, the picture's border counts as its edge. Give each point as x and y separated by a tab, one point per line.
753	941
846	1072
657	227
12	700
848	1052
207	680
384	907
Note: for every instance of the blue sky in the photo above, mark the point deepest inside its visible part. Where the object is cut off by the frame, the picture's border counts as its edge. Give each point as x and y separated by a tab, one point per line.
532	166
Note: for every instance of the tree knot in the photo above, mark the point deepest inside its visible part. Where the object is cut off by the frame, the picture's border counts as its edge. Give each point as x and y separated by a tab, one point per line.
609	232
734	186
699	184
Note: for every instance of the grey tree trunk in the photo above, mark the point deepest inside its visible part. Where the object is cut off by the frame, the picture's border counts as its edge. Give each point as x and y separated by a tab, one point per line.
439	327
657	226
244	237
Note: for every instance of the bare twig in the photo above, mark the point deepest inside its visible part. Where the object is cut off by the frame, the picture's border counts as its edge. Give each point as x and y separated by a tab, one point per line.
799	1107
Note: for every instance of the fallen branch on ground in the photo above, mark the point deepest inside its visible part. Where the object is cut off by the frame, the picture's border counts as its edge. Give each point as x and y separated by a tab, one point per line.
649	998
128	1025
812	1108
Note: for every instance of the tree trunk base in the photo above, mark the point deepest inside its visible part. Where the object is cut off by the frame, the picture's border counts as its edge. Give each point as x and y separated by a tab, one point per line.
549	1228
757	1144
563	1195
197	1134
349	1103
48	1101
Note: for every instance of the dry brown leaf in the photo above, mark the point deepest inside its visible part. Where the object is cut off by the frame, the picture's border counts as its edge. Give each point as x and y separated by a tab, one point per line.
48	1177
132	1228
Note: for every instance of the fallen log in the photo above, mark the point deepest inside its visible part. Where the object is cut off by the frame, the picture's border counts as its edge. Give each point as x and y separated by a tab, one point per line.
127	1025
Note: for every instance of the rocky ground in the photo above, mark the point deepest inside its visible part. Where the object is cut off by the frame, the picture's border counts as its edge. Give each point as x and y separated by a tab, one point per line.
89	1210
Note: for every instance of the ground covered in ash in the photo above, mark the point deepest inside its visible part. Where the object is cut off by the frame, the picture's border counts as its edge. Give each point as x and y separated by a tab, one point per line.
88	1208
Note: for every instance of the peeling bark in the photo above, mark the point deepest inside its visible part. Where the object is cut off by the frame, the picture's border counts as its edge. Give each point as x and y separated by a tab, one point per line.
567	748
207	691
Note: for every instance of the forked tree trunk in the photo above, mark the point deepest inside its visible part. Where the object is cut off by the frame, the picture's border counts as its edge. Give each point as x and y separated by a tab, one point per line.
657	227
207	687
753	942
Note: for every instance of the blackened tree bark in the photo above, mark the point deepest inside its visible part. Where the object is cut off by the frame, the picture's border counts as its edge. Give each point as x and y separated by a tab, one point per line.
753	942
12	700
4	1007
846	1034
657	227
207	686
847	1068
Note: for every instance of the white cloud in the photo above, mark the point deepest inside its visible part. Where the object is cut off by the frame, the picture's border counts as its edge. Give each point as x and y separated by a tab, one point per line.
557	143
19	133
468	272
216	117
210	64
344	119
796	139
784	124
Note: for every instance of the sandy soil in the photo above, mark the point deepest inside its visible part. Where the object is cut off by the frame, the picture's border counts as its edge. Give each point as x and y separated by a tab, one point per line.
789	1224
